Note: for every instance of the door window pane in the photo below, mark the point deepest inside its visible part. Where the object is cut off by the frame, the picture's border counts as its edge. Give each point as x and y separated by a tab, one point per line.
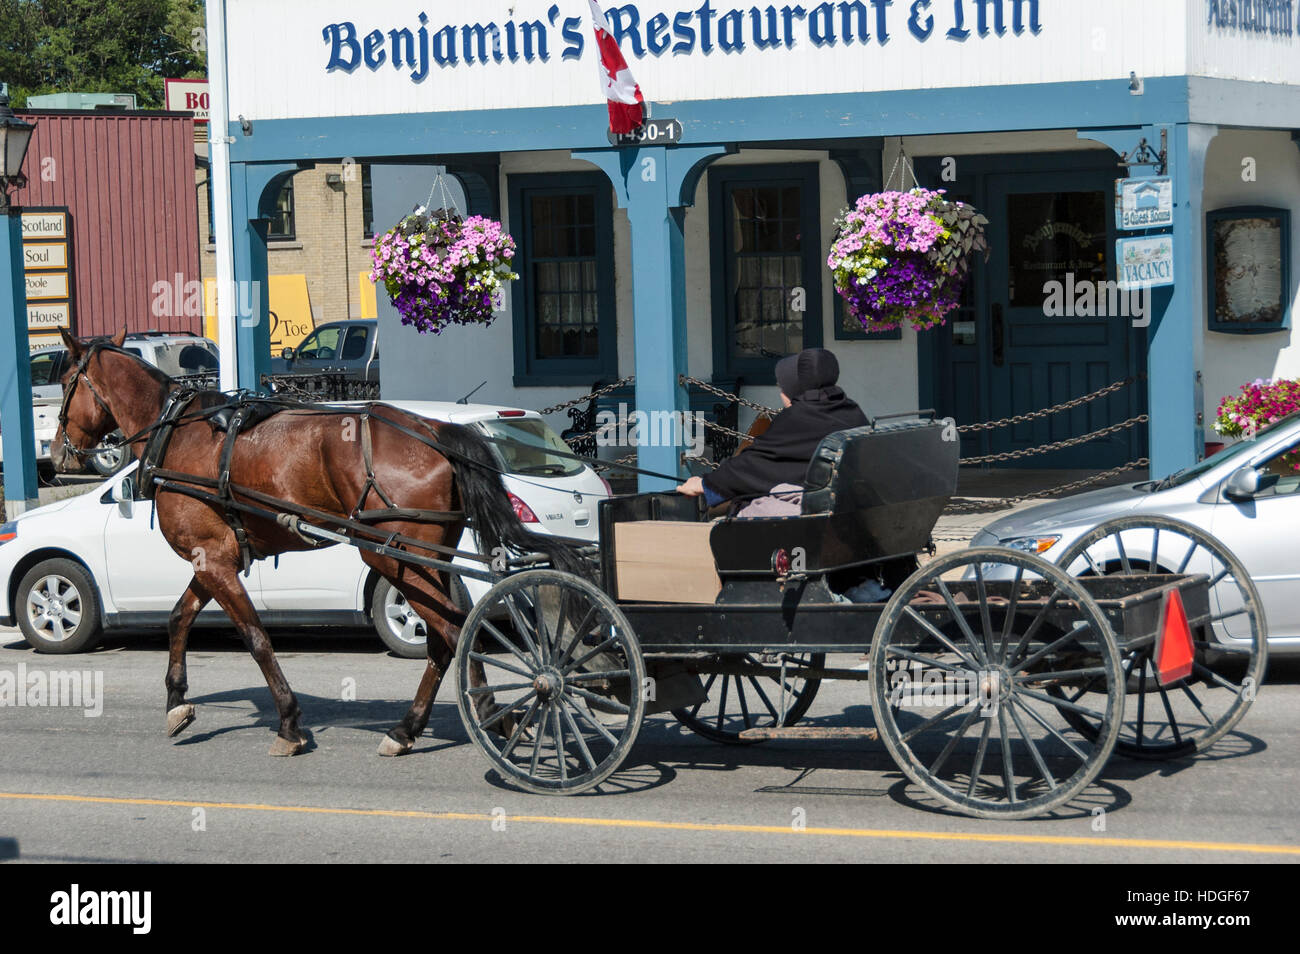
1051	235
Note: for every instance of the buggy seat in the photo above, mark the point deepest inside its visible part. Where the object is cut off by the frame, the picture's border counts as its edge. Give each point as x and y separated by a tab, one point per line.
871	493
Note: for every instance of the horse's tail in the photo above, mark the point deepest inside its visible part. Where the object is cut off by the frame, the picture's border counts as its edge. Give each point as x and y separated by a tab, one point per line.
486	504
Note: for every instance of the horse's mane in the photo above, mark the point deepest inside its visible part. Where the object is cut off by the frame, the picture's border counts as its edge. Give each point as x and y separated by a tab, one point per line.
105	343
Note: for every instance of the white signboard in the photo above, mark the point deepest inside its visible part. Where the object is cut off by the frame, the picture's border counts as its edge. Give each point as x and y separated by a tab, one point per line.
187	96
1146	203
36	342
1145	262
315	58
44	225
41	318
42	285
45	255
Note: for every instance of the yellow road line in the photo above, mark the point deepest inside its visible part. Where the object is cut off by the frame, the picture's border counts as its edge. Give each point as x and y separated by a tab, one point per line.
1171	845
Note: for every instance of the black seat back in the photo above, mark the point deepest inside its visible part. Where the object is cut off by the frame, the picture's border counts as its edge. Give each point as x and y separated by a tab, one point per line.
883	485
871	493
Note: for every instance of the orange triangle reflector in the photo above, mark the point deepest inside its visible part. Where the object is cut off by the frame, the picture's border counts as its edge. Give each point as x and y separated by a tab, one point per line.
1174	652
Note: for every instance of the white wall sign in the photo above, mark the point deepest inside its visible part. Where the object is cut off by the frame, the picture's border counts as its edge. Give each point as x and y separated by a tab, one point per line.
44	225
45	317
310	58
38	255
188	96
46	285
1144	203
1145	262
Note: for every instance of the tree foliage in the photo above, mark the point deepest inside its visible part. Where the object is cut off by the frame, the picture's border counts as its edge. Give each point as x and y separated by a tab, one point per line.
99	46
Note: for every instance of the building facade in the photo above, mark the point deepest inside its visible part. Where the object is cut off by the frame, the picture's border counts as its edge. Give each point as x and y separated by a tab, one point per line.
705	255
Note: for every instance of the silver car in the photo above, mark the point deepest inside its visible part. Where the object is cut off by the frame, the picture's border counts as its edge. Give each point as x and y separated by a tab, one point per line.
1247	495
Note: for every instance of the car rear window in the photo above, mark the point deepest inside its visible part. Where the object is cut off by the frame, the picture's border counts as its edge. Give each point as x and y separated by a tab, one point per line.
186	357
526	447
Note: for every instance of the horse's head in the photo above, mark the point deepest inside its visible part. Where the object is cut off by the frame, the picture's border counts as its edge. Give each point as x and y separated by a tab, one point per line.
85	417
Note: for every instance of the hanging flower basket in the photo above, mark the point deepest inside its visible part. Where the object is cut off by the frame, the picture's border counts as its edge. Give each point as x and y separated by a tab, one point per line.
440	269
904	257
1260	403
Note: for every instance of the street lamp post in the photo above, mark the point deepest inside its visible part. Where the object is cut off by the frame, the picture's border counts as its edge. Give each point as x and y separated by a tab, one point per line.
16	428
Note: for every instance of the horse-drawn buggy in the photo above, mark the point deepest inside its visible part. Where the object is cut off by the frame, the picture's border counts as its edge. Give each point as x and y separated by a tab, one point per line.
999	682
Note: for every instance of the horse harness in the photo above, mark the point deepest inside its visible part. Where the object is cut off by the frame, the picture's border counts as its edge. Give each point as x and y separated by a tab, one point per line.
238	414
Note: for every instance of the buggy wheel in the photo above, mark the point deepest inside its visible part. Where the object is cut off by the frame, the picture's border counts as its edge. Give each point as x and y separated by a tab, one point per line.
1231	647
960	666
553	692
741	697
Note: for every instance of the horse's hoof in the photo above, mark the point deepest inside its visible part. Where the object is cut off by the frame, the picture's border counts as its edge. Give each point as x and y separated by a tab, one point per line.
179	719
390	747
283	747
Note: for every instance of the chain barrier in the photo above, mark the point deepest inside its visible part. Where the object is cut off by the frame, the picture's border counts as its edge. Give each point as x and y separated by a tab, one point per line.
1049	411
770	413
1059	445
600	392
963	506
762	409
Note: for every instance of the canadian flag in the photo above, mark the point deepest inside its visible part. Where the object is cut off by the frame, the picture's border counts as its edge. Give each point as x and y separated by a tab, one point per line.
621	89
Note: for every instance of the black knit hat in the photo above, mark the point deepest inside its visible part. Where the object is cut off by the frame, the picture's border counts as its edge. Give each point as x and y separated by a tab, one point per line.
808	370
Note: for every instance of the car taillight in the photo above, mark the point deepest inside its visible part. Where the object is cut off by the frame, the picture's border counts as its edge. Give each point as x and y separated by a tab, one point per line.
609	491
511	413
523	513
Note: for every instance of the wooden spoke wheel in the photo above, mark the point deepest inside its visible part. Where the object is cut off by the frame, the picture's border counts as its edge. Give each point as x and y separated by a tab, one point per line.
555	696
749	692
961	666
1189	716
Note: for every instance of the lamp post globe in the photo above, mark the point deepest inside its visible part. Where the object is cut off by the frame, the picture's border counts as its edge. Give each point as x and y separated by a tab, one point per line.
15	136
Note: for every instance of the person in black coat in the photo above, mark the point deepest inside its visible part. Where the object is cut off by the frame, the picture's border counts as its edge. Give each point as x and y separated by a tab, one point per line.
814	407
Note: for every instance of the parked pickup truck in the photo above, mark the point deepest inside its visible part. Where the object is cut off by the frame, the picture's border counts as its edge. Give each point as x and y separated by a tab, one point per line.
349	346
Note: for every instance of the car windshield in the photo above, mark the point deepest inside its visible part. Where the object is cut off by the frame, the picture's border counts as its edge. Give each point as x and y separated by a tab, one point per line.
1241	450
43	366
528	446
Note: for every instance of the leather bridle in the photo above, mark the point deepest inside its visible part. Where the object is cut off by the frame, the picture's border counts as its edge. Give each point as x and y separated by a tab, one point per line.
78	375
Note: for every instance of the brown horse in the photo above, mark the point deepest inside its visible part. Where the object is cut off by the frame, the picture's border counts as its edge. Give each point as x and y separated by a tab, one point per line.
312	458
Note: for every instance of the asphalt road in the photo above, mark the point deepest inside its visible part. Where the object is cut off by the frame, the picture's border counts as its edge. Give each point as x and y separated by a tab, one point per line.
113	788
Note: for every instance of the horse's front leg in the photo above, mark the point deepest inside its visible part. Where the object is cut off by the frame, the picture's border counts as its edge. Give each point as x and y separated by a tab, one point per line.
226	589
179	712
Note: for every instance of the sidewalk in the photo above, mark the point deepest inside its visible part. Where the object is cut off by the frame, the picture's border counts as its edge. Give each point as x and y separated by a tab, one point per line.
979	487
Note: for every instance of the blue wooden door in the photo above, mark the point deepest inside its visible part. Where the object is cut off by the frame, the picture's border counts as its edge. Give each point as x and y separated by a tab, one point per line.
1048	339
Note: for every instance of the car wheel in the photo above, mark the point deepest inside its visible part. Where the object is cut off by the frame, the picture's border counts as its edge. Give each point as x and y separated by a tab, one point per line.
108	464
58	607
399	626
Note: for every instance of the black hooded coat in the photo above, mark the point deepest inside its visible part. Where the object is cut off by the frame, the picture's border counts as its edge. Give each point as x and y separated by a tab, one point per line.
781	455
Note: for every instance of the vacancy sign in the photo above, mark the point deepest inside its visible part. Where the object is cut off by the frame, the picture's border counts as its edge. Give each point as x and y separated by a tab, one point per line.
1145	262
187	96
47	272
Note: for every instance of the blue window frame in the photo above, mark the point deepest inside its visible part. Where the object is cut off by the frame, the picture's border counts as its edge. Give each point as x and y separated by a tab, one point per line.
1248	270
765	232
564	308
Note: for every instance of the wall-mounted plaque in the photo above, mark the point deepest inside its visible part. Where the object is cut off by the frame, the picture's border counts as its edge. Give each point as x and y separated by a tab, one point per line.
1248	269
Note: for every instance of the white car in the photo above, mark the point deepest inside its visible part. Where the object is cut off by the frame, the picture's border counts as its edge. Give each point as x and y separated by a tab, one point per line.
71	569
1247	495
